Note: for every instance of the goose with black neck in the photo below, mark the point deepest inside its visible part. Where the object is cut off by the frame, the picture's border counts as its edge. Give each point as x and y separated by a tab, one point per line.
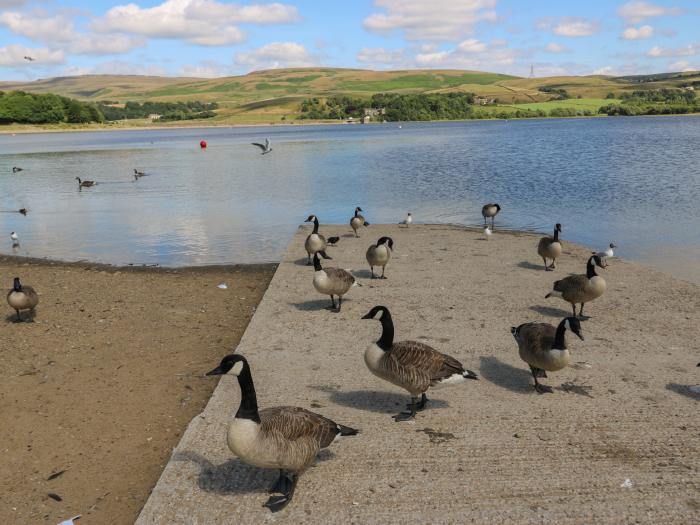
411	365
315	242
285	438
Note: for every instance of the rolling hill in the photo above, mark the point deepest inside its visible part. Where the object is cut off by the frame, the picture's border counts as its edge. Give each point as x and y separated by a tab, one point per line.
268	96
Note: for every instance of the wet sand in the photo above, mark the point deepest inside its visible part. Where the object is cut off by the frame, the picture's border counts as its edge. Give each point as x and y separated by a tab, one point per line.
106	379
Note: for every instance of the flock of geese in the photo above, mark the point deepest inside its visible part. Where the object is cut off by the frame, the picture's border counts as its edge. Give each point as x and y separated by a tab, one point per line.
289	438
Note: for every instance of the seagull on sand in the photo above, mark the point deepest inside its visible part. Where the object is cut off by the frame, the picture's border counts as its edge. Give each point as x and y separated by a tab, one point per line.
264	147
407	221
487	232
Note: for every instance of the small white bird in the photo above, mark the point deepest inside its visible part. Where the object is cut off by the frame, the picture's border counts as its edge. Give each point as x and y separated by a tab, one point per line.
607	253
407	221
487	232
14	237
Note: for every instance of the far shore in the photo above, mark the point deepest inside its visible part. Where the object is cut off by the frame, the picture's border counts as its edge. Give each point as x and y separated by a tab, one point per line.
27	129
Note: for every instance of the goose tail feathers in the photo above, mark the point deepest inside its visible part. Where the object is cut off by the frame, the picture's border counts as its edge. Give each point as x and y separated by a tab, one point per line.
468	374
347	431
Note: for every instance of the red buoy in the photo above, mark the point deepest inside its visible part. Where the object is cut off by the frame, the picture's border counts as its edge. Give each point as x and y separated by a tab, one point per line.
202	144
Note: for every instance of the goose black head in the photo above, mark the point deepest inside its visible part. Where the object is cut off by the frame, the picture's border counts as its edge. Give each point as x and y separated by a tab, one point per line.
233	362
358	209
386	240
311	218
557	227
598	261
498	207
374	311
17	285
573	324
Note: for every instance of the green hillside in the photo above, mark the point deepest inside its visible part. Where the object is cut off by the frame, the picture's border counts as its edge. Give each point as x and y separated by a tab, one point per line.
273	95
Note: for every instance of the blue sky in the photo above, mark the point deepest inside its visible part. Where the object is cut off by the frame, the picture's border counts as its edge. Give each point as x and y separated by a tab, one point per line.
219	37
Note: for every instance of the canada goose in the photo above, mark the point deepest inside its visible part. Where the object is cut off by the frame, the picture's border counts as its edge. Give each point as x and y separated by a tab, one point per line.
411	365
264	147
332	281
407	221
85	183
357	221
332	241
550	247
543	347
22	298
379	254
490	210
487	232
23	211
315	242
285	438
15	169
580	288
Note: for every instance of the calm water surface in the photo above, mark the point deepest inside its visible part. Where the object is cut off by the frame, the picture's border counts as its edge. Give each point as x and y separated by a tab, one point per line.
635	181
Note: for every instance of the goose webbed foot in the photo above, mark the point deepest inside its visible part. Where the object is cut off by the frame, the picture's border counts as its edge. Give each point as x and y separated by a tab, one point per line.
287	484
421	404
407	416
279	485
277	503
543	389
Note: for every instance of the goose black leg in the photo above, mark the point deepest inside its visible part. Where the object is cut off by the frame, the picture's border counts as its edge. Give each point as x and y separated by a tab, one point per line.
332	303
580	312
383	270
19	317
421	404
538	372
546	268
308	259
277	503
407	416
340	301
552	265
279	484
372	269
574	307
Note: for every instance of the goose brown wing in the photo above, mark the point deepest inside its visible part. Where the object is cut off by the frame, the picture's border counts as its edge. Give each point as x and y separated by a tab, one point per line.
536	335
573	282
31	294
544	244
294	423
340	275
417	362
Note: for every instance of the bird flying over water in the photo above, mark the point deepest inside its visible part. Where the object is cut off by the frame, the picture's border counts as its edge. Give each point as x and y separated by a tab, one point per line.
264	147
29	59
16	169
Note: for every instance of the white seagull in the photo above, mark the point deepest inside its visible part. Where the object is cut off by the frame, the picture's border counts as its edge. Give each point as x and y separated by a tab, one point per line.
264	147
407	221
607	253
15	238
487	232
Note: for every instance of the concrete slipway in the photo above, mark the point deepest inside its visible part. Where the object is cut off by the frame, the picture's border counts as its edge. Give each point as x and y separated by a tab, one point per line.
488	451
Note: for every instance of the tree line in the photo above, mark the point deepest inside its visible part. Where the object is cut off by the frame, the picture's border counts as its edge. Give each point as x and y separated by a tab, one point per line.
31	108
654	102
189	110
47	108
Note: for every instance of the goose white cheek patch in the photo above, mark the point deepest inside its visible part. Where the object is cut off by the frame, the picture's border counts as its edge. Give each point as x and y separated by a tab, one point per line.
237	368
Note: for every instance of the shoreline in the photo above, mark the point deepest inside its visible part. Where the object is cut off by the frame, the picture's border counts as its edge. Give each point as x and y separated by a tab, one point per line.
298	123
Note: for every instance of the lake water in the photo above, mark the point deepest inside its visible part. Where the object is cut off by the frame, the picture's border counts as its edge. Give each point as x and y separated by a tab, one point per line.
634	181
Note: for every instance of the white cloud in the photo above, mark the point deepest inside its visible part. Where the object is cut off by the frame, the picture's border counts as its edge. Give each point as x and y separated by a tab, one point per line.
381	56
201	22
555	48
276	55
58	31
633	33
658	52
637	11
13	56
605	70
434	20
681	65
493	56
572	27
11	3
205	69
472	45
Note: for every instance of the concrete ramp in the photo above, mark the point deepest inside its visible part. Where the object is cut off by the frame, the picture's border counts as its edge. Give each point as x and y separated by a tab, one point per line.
617	442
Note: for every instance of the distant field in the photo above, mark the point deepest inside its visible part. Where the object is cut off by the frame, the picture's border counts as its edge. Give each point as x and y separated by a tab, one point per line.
275	95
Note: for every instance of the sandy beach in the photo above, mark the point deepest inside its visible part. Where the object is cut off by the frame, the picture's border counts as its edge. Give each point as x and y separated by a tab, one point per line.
618	441
103	383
